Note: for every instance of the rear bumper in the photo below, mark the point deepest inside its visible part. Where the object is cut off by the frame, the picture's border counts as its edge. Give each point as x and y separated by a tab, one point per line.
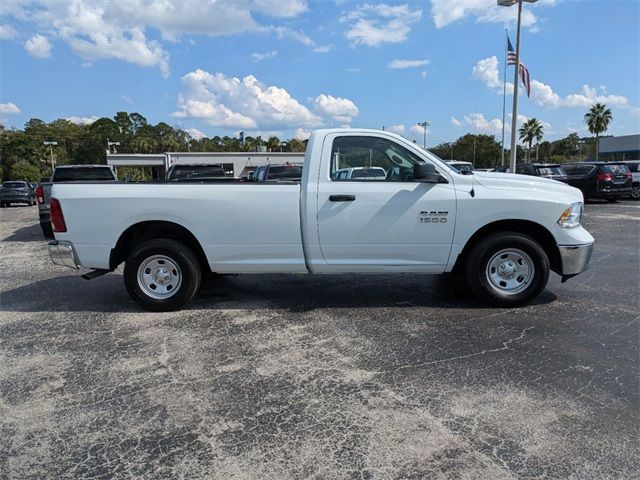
16	198
575	259
63	254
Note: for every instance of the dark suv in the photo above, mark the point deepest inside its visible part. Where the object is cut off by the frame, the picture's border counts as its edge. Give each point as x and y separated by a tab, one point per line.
546	170
17	192
599	179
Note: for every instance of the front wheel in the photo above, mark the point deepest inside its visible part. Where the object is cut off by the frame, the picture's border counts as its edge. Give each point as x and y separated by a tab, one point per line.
162	274
507	269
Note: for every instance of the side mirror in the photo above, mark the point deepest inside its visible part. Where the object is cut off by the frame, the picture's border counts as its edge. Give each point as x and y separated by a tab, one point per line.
427	173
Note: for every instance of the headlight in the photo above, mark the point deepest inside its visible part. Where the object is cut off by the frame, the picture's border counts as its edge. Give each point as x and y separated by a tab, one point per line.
572	216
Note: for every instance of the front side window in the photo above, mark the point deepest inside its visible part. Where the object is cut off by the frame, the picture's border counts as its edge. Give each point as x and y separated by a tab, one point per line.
367	159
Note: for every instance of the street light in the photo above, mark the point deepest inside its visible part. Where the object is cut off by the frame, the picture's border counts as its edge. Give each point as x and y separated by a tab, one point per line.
51	145
514	117
424	125
109	144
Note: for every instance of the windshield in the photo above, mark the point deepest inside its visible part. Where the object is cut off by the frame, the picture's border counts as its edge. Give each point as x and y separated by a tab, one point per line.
285	172
14	185
73	174
179	172
551	171
615	169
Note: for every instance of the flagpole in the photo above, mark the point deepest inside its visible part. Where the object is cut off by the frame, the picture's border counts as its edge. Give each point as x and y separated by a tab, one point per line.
504	92
514	118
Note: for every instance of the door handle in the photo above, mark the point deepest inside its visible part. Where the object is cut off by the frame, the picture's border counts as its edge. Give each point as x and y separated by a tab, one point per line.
342	198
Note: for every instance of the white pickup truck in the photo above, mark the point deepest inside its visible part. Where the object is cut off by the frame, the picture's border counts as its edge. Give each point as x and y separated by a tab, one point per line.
504	232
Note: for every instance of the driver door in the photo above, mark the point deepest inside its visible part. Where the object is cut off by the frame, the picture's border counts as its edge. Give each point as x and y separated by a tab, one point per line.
381	222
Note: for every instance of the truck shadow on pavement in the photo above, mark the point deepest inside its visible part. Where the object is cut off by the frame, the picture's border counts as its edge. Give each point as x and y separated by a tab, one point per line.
294	293
32	233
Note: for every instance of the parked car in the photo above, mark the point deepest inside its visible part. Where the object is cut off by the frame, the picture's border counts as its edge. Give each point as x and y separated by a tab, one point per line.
17	191
288	172
461	166
194	172
505	232
359	173
67	173
599	179
552	171
634	168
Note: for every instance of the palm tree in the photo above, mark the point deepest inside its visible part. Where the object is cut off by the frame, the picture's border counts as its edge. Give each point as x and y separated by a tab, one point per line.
531	130
597	119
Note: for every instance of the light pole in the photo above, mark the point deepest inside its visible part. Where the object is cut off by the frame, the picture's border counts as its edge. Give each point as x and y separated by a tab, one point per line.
580	143
51	145
424	125
514	117
110	144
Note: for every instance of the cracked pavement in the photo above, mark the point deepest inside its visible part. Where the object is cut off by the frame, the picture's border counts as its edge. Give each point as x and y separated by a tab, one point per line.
277	376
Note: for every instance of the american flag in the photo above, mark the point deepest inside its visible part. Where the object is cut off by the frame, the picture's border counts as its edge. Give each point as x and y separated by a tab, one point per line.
524	73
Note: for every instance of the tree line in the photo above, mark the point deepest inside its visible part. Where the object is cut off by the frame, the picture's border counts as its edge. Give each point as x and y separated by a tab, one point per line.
24	155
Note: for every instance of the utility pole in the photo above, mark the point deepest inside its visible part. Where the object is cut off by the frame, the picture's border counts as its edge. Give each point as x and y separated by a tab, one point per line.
51	145
424	125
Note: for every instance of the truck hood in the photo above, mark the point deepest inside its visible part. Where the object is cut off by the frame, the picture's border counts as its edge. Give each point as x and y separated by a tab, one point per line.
528	183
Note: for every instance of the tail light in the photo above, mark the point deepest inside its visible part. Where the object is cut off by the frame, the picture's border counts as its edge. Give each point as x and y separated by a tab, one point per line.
57	218
629	175
604	177
40	195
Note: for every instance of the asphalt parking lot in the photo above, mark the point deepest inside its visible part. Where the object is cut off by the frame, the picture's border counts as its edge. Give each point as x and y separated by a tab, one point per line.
320	377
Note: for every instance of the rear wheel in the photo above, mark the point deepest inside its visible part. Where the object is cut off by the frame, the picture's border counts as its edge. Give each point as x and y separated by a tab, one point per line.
507	269
635	191
162	274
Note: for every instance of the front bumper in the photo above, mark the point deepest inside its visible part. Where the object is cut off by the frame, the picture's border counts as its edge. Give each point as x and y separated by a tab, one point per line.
63	254
575	259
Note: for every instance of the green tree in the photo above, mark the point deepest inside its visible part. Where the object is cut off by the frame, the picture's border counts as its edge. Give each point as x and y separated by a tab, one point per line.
597	119
25	171
531	130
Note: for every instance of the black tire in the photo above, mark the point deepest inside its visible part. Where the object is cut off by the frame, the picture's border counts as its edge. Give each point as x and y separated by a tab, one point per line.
1	204
189	271
635	191
482	253
47	230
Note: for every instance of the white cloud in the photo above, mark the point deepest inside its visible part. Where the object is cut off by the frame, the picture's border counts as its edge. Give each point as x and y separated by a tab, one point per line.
418	130
95	29
374	25
38	46
482	124
279	8
445	12
195	133
126	98
400	64
301	134
258	57
297	35
399	129
455	122
9	108
7	32
340	109
83	120
235	103
323	49
487	71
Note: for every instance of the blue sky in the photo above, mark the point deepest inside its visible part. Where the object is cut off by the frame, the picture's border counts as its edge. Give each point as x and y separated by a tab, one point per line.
286	67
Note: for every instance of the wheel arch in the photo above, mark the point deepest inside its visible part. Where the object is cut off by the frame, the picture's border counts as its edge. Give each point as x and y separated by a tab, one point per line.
149	230
527	227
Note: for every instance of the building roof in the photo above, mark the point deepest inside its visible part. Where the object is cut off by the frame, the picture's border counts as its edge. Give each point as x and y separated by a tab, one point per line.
626	143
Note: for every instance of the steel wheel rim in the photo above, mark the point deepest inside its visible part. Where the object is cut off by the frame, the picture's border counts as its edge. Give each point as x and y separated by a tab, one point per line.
510	271
159	277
